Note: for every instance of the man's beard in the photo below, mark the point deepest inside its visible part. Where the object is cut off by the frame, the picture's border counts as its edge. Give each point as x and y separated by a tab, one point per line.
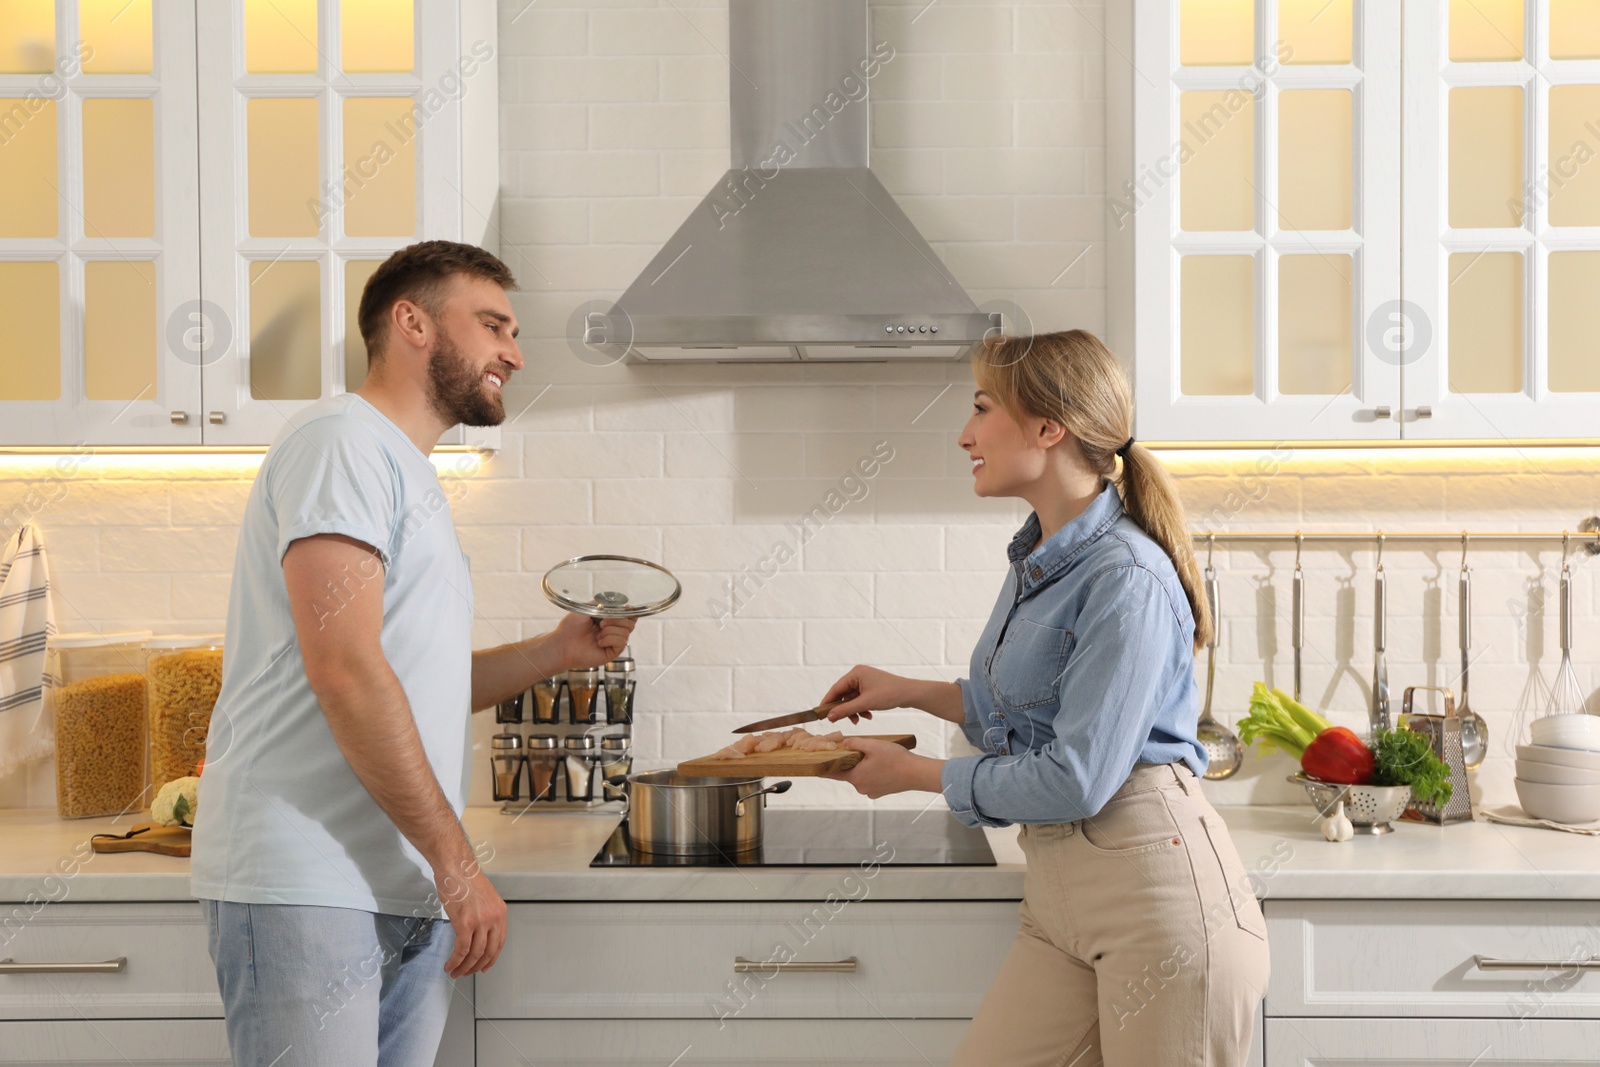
456	391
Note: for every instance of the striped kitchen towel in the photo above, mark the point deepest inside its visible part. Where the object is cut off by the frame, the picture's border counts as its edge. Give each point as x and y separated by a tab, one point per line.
26	619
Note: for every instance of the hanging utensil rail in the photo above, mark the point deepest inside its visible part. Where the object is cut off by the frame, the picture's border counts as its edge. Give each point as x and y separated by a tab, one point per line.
1590	544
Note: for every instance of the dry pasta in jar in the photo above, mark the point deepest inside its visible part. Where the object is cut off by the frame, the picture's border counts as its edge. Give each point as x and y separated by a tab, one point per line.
184	677
96	690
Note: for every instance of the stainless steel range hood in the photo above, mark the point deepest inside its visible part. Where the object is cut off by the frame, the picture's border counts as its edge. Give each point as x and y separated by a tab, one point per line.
798	252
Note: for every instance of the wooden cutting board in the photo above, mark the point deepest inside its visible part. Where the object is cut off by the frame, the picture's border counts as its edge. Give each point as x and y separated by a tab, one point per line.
785	764
162	840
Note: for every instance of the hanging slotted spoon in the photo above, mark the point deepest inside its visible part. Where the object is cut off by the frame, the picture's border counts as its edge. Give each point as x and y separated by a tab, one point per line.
1223	751
1474	731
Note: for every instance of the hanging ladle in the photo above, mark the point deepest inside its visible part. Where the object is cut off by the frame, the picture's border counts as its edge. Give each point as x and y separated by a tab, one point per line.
1474	731
1224	754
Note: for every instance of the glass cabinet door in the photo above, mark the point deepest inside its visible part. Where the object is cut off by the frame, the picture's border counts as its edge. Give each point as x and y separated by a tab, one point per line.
99	226
334	127
1264	203
1502	242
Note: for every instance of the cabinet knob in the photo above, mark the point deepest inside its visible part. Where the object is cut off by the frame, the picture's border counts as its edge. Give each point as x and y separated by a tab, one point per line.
217	418
1382	412
179	418
1424	411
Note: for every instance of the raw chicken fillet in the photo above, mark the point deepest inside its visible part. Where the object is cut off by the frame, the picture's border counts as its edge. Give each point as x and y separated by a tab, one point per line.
798	739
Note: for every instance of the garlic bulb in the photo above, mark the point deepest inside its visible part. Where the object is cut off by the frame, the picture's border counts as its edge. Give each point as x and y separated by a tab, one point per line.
1336	825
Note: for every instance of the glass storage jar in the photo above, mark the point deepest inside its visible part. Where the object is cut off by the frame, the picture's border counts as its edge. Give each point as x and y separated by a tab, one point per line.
581	762
546	710
96	694
583	685
616	757
505	763
183	676
544	757
619	685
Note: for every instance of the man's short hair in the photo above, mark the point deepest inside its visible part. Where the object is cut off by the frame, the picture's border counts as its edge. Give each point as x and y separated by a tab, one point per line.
419	273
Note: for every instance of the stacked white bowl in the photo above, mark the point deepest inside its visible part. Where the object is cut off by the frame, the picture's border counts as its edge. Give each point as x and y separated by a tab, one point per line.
1558	776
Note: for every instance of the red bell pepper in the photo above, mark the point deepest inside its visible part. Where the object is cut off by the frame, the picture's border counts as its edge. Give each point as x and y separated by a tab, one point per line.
1338	755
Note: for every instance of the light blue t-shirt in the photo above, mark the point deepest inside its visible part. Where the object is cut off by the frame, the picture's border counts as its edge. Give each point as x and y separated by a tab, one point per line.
282	817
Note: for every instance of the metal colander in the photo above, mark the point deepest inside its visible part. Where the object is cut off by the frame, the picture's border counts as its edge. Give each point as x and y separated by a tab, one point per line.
1370	808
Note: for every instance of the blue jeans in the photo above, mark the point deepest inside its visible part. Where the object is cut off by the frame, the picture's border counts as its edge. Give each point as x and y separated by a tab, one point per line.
317	986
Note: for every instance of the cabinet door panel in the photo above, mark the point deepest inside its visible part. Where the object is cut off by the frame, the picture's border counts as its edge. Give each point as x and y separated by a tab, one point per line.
1420	1042
686	1043
677	960
1366	958
168	1042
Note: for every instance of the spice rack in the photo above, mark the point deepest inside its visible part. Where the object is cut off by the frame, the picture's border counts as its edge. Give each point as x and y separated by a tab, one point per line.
559	740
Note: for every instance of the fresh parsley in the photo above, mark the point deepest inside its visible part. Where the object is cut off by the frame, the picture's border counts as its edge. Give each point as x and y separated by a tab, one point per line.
1405	757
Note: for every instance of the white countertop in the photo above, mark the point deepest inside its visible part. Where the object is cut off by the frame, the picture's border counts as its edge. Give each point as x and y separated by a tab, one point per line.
546	858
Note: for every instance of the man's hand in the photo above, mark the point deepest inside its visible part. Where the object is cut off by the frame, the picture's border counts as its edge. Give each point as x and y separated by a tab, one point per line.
889	768
589	642
477	915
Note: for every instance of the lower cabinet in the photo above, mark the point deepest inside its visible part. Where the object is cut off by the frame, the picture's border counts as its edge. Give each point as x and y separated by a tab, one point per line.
170	1042
1411	982
691	1042
1414	1042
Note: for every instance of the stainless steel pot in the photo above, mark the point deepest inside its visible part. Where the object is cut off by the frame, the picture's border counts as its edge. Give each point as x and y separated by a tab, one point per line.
669	813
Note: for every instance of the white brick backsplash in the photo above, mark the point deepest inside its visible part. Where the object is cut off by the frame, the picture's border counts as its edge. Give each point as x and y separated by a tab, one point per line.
739	642
787	595
210	503
695	78
87	503
90	601
72	549
665	501
756	456
691	171
727	549
658	31
525	502
939	500
178	550
942	123
961	218
1017	171
978	548
1064	28
200	597
588	79
817	504
593	455
586	173
812	408
1060	123
626	221
1005	75
935	595
530	406
866	550
908	171
942	28
681	687
670	409
762	691
554	127
668	125
907	76
1062	219
914	455
881	642
556	221
537	30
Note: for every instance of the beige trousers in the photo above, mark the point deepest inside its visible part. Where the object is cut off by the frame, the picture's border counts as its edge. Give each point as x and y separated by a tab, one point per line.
1141	945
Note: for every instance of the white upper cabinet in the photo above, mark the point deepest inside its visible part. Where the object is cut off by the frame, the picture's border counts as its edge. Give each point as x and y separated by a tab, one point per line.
1302	251
99	223
217	201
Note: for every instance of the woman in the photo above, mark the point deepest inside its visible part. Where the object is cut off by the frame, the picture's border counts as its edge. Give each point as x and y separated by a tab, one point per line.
1140	940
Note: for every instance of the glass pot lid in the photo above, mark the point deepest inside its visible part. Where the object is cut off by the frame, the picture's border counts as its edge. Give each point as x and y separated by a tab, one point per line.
611	587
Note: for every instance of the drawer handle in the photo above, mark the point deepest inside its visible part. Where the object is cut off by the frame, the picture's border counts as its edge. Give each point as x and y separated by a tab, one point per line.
744	966
116	966
1489	963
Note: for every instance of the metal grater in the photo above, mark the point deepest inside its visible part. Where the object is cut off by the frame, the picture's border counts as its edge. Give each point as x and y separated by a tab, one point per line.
1444	731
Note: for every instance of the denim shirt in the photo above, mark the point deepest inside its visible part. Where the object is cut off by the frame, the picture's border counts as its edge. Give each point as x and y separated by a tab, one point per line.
1085	668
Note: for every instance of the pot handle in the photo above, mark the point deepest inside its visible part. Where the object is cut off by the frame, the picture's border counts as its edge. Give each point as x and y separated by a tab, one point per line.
617	781
775	787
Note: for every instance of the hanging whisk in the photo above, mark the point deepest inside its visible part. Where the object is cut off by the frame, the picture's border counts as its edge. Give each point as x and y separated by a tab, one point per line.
1566	696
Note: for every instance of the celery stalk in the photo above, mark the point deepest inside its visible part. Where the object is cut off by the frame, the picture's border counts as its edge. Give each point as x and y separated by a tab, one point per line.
1302	715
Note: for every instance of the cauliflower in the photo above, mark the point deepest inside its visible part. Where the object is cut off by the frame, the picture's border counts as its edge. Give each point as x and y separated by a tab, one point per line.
176	804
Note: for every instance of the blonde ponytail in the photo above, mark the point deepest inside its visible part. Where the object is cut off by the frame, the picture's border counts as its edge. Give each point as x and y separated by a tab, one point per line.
1072	378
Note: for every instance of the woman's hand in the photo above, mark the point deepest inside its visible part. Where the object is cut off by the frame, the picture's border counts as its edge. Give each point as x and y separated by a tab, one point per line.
889	768
868	689
588	642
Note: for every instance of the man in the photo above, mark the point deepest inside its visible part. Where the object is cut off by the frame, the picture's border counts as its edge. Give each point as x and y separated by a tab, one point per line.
340	890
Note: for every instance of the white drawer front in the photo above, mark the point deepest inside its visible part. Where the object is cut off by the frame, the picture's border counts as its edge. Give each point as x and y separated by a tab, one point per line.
1420	1042
646	960
168	973
682	1043
1405	957
169	1042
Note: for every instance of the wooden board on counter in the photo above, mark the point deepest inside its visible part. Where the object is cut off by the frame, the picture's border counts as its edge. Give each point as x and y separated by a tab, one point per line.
786	763
147	837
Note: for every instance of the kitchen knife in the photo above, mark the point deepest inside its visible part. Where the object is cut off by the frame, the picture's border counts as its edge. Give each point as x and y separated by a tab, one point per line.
798	718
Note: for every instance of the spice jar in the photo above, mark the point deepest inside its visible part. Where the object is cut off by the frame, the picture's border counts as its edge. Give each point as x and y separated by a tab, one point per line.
619	683
505	761
615	758
581	761
96	697
183	677
583	685
543	759
547	700
510	711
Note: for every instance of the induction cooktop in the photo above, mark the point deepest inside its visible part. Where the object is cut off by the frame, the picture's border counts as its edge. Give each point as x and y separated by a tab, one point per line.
830	837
